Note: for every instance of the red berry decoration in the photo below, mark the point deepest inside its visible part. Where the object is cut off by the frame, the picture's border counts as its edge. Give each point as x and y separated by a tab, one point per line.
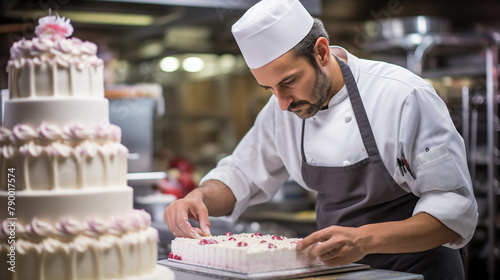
242	244
275	237
263	241
257	234
228	234
170	255
232	238
271	246
207	241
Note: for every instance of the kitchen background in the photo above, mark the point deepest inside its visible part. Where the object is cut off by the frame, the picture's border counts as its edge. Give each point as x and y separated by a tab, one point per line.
184	97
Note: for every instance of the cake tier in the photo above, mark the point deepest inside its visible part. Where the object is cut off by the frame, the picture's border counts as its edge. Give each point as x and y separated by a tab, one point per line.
52	206
43	67
242	252
64	155
62	167
86	234
117	248
59	112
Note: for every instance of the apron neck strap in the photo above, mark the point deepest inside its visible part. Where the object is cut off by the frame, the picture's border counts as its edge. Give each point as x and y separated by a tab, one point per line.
359	111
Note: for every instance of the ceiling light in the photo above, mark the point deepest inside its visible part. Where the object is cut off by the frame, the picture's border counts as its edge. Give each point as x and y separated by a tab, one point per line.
90	17
169	64
193	64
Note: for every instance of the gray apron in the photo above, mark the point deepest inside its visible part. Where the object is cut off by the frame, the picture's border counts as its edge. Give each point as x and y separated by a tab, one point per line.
366	193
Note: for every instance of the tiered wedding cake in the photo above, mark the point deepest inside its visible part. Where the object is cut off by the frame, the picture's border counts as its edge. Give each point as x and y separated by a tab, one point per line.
66	211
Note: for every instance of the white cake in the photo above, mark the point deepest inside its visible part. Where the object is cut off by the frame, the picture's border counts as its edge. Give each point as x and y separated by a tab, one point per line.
245	252
66	210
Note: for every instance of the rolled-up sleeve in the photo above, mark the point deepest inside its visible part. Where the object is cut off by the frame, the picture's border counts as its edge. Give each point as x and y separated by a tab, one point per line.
437	153
254	171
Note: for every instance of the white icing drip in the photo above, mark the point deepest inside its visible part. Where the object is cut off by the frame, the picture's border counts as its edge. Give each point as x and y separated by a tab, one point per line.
59	150
9	151
87	149
31	149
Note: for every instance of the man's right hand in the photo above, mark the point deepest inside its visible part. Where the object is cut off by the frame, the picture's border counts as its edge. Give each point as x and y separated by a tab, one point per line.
211	198
178	212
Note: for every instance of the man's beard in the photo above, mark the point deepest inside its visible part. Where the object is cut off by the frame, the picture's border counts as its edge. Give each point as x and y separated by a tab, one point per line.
320	93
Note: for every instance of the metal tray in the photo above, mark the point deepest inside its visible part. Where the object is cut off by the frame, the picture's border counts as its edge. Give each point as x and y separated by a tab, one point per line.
275	274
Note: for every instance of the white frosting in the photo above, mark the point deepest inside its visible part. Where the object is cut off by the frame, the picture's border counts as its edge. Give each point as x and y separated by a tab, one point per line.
56	112
63	68
84	206
95	153
242	252
85	257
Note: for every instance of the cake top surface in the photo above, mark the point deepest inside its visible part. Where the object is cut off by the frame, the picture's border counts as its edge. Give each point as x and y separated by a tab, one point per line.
52	42
250	242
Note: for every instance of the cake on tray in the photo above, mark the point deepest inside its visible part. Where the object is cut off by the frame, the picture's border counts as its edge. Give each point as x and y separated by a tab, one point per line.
246	252
67	212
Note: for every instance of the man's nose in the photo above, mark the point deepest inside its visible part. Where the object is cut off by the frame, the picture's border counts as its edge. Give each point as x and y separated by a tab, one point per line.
284	99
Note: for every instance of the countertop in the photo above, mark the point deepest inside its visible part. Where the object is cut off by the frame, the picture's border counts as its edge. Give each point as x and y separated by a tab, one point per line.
182	272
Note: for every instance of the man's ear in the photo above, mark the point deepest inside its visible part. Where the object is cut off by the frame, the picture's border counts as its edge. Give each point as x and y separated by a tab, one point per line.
322	51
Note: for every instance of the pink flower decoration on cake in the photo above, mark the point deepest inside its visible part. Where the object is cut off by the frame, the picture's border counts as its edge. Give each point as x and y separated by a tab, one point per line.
242	244
54	27
208	242
276	237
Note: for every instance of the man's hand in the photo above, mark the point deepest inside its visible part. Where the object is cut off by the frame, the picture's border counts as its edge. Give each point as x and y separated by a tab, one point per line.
211	198
177	214
336	245
342	245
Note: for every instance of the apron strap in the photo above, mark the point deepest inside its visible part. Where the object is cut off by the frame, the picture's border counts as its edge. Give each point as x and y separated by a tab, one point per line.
359	110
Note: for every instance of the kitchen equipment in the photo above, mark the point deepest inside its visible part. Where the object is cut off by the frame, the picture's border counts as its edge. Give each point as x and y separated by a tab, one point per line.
135	117
391	28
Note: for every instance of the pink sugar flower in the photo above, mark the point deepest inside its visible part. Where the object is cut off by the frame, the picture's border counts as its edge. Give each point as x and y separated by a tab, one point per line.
54	27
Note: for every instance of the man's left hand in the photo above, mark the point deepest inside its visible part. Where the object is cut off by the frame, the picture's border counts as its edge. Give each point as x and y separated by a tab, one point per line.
335	246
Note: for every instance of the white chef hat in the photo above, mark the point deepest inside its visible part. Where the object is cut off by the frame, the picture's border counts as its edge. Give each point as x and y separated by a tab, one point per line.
269	29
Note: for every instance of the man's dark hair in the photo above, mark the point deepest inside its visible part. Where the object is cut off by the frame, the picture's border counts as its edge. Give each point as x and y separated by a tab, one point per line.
305	47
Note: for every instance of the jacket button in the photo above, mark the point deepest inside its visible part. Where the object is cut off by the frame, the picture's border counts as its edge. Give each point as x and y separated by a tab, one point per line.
347	117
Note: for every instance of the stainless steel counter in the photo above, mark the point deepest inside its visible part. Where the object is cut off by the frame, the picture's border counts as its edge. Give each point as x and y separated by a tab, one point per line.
184	271
372	274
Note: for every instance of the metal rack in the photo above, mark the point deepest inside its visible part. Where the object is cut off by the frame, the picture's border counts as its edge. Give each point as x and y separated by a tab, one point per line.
416	49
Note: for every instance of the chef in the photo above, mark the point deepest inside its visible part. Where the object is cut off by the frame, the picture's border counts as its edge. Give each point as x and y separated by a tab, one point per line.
374	140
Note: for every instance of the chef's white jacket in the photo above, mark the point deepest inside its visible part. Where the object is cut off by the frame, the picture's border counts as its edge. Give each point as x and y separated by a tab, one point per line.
404	112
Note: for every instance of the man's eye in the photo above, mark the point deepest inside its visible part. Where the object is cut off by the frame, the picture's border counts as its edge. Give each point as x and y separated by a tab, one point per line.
288	83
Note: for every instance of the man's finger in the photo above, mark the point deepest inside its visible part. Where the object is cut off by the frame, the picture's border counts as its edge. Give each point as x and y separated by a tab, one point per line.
188	230
309	240
204	222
